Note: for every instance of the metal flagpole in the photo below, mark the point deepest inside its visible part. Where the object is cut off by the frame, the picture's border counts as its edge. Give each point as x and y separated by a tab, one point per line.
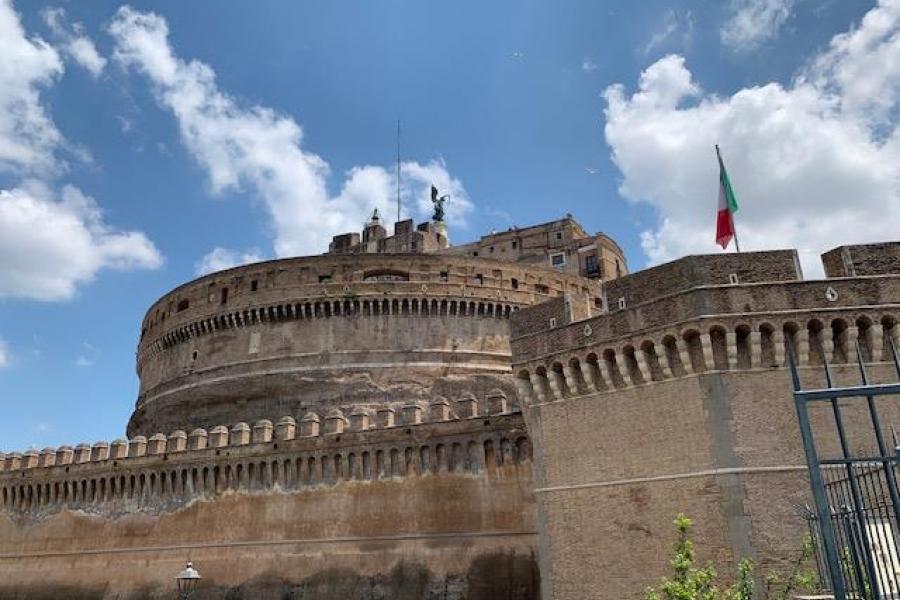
398	170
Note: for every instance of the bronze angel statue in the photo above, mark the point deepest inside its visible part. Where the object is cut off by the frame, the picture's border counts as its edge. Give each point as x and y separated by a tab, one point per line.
438	202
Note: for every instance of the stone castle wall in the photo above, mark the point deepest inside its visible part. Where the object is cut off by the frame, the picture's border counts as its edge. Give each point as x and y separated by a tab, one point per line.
861	260
680	402
433	502
287	336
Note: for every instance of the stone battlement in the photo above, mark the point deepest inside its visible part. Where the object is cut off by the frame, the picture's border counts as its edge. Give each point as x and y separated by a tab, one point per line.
180	466
655	331
315	333
337	277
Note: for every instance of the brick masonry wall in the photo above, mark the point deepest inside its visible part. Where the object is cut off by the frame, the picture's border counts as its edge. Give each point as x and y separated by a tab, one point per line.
727	304
694	271
861	260
612	471
446	513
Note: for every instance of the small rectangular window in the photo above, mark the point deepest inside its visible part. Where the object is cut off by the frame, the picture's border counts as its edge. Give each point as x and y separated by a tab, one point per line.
479	279
515	245
445	275
475	253
491	249
622	302
552	322
515	283
558	260
733	279
183	305
559	235
254	285
224	296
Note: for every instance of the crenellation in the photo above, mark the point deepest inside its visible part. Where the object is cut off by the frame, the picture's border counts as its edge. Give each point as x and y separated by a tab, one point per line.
467	406
386	417
497	402
240	434
100	451
82	453
262	431
177	441
439	409
309	425
335	422
118	449
137	446
47	457
412	413
30	459
198	439
157	443
65	455
286	428
373	453
218	436
359	419
706	344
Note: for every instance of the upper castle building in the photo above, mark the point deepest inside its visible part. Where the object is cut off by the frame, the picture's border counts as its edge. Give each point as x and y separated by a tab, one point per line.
378	321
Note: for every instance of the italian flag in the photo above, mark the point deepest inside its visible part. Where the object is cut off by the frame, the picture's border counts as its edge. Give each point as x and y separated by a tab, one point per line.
727	206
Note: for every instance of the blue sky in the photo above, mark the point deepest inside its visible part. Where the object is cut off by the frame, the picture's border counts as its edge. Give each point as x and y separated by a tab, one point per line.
142	145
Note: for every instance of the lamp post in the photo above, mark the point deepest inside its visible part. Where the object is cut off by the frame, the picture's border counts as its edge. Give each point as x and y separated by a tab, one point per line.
187	581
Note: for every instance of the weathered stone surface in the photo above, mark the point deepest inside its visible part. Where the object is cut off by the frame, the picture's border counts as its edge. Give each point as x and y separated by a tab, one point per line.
680	401
439	493
326	332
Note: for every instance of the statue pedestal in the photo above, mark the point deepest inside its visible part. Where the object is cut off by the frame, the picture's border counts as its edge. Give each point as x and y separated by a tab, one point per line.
441	229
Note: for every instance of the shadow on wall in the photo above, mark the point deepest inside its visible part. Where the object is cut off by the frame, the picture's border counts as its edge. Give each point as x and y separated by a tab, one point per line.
509	576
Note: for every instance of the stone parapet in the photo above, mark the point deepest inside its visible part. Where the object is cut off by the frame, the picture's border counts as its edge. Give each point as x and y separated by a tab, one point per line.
178	474
722	328
330	286
706	345
235	345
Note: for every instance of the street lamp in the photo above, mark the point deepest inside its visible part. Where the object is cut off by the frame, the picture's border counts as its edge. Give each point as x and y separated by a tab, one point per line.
187	581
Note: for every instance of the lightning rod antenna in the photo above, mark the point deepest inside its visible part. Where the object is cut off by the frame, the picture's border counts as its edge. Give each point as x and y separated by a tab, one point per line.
398	170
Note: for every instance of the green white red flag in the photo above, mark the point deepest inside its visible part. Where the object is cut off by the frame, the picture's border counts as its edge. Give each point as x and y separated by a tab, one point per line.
727	207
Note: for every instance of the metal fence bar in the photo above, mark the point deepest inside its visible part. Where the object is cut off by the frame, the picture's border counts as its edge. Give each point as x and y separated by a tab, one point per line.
854	522
818	486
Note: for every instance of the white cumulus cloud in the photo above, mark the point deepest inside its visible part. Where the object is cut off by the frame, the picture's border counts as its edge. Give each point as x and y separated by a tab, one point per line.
750	23
73	41
219	259
862	66
4	354
49	245
50	241
257	148
811	169
28	137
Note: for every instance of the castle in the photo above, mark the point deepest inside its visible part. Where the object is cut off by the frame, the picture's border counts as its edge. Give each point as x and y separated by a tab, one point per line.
516	417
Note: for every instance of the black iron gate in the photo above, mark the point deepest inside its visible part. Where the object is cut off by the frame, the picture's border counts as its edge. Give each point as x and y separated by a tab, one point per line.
854	521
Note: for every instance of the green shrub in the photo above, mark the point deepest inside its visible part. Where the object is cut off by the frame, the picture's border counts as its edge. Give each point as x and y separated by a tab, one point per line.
698	583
